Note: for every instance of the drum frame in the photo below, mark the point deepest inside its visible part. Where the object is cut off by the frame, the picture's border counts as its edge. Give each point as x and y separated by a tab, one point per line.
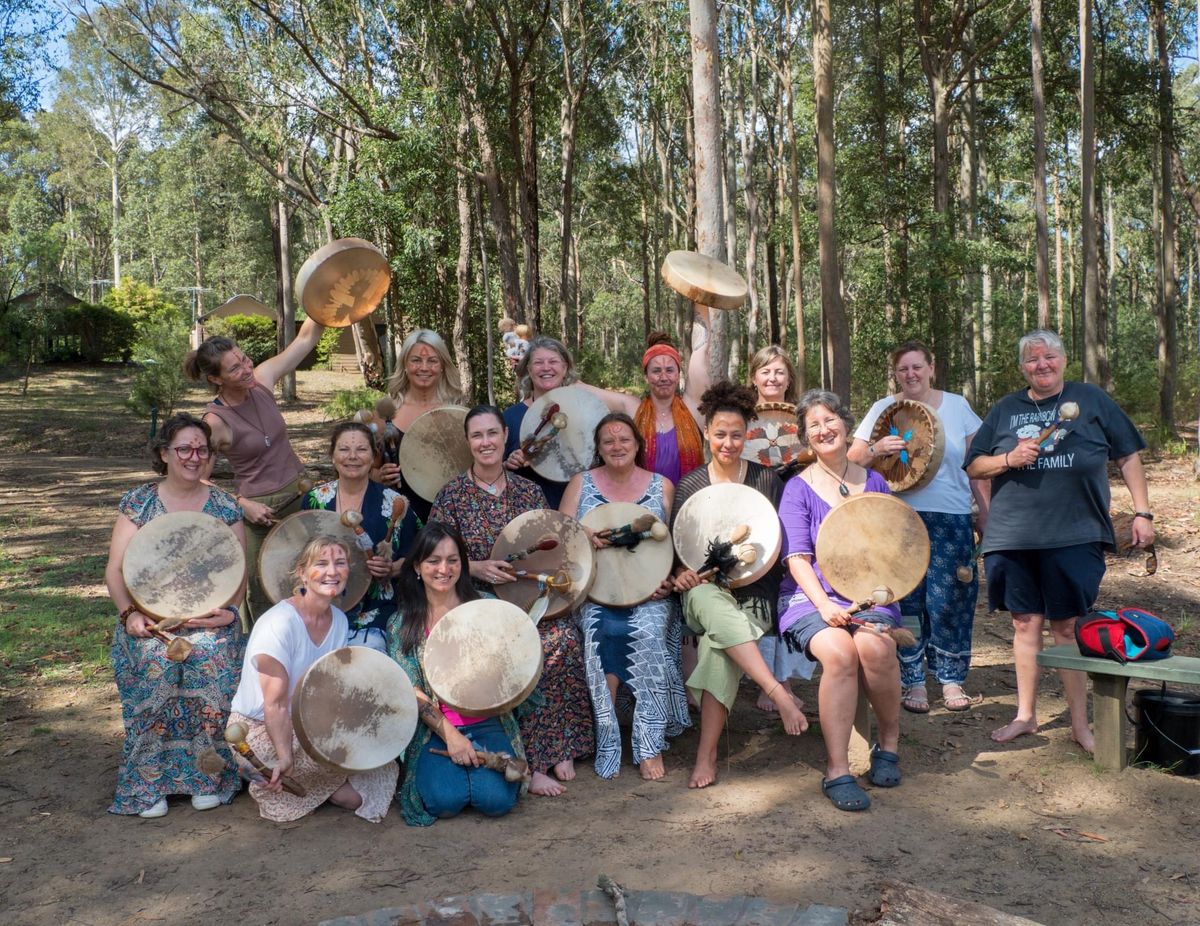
854	573
609	559
421	446
359	575
899	477
718	518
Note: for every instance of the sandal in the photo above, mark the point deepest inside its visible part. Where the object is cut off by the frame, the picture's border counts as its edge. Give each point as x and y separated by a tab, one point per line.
885	768
915	703
955	698
845	793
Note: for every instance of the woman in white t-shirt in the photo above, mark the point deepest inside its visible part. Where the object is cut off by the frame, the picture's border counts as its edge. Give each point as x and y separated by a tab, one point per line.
942	606
285	641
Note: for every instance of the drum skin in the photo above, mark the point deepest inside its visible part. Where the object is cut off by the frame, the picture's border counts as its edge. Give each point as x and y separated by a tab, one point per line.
626	577
182	565
435	450
283	544
926	446
873	541
573	449
343	282
483	658
574	555
354	710
704	280
713	513
773	437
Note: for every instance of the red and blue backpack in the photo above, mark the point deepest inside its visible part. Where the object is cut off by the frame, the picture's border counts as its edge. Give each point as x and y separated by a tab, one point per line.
1124	635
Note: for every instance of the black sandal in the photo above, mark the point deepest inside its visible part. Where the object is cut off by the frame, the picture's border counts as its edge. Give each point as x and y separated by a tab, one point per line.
845	793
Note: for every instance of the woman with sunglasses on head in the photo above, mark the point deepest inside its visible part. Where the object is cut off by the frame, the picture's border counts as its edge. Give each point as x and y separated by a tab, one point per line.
172	710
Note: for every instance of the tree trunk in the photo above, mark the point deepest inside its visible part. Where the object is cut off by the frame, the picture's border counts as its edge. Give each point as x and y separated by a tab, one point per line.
1093	333
567	282
462	316
1167	347
706	168
1058	258
749	120
794	206
1039	166
836	343
527	199
285	309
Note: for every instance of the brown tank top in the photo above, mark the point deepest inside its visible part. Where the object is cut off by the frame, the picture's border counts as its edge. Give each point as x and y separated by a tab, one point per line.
262	458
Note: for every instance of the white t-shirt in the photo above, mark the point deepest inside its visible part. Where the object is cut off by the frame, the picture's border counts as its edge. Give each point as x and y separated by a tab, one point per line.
950	491
281	633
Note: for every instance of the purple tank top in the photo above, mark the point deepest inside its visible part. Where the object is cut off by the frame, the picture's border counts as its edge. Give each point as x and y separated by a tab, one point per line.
666	455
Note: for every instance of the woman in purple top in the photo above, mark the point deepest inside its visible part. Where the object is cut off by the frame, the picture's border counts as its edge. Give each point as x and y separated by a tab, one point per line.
813	619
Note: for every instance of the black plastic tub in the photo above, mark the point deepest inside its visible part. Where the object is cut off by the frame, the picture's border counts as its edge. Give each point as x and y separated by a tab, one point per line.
1168	730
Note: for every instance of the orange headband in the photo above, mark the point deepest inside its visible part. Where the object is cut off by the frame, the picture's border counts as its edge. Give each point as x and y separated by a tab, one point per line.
661	350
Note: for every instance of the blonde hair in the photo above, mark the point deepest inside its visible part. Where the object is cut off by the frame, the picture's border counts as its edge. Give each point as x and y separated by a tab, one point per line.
769	354
309	555
544	342
449	387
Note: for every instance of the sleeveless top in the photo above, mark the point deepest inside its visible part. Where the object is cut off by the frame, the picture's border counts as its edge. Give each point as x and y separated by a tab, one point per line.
591	497
262	458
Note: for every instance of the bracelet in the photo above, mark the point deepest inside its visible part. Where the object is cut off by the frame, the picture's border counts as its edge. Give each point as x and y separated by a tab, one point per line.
871	449
237	615
1006	463
124	615
1144	514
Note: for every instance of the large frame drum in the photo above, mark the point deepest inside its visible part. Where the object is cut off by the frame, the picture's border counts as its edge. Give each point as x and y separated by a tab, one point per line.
574	555
283	544
354	710
873	541
182	565
920	425
773	437
704	280
483	658
435	450
573	449
713	513
626	577
343	282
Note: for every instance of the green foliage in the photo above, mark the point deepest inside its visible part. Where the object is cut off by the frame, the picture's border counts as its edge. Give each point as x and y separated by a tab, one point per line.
326	346
346	402
161	347
103	332
139	301
255	334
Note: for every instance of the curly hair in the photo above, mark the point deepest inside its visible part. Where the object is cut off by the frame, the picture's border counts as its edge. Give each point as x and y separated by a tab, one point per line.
728	397
166	434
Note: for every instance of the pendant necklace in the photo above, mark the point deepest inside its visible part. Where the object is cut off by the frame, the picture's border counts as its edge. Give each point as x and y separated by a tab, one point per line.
843	489
257	417
1057	396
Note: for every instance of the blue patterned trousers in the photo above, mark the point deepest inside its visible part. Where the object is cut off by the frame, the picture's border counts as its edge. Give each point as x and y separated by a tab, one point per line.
941	610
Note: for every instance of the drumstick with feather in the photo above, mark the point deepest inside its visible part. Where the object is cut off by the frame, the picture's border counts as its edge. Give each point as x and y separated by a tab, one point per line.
721	559
536	442
235	736
544	542
644	527
512	768
879	597
559	581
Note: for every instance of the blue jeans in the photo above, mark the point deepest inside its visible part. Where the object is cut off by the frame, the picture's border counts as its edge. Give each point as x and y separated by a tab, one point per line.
447	789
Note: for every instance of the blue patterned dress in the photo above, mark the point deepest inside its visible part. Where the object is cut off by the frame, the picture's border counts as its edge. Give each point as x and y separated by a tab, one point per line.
173	711
641	647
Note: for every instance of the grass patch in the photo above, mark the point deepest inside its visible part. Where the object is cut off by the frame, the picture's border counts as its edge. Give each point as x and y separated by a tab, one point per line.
346	402
49	622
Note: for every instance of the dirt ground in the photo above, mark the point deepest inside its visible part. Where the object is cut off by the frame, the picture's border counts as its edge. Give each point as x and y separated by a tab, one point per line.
1031	828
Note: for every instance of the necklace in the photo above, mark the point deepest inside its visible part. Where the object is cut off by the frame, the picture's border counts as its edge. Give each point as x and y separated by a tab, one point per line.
1057	396
492	487
843	489
257	417
741	473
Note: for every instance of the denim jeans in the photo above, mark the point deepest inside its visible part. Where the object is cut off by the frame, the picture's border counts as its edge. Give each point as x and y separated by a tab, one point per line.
447	789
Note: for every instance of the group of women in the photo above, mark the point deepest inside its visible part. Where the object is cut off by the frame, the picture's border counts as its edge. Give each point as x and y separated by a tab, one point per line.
658	452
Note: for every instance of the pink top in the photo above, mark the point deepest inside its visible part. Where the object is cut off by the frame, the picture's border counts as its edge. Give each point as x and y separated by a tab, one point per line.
262	458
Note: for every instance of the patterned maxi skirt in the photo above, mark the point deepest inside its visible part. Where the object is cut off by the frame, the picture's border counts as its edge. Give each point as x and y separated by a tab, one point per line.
562	728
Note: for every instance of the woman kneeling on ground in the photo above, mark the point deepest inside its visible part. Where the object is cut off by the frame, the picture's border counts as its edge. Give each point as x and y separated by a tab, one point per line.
815	619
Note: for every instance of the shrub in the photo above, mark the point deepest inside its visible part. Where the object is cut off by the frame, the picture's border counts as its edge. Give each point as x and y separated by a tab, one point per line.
161	347
255	334
325	348
139	301
346	402
104	333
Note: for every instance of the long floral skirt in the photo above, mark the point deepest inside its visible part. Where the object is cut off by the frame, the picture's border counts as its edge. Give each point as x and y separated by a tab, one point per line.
562	728
173	712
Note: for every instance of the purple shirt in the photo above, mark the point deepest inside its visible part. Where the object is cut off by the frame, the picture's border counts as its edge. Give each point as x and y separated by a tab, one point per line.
666	455
802	512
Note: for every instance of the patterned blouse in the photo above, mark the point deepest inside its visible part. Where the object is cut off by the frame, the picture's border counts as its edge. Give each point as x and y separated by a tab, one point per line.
480	516
142	505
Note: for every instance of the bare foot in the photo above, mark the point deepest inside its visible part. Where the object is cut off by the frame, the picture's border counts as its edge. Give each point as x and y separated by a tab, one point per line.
765	704
794	721
704	773
565	771
546	786
1010	731
1085	740
652	769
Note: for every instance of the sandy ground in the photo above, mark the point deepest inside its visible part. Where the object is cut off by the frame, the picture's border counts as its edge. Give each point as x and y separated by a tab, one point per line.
1032	828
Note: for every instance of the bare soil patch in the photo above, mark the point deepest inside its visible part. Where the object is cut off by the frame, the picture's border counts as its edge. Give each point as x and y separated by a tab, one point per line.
1031	828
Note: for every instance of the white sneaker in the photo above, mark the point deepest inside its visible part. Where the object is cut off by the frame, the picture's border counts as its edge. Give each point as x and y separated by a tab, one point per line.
205	801
158	810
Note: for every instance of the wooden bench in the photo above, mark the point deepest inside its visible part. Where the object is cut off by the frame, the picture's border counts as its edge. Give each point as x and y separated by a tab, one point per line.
1110	680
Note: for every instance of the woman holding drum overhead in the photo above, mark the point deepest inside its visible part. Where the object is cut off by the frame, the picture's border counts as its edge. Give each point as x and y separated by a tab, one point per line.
286	640
815	620
172	710
729	622
386	516
434	582
637	646
942	607
425	379
248	428
1046	449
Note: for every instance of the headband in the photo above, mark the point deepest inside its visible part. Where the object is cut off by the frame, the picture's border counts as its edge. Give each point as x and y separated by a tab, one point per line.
661	350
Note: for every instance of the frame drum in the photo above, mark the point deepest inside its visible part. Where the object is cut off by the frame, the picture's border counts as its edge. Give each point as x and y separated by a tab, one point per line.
704	280
483	658
435	450
626	577
572	449
920	425
713	513
277	555
343	282
873	541
354	709
773	438
574	555
182	565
